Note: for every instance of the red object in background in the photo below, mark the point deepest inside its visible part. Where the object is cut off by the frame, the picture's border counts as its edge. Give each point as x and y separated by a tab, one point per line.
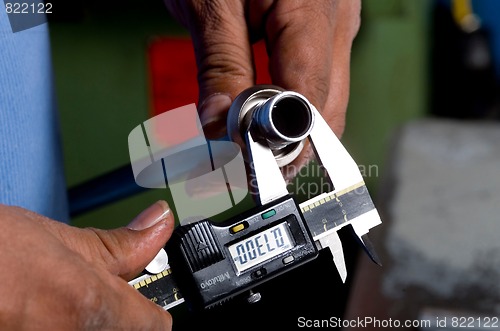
261	63
172	72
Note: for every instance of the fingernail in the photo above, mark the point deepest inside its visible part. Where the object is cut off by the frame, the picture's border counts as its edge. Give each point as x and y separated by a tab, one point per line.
150	216
214	107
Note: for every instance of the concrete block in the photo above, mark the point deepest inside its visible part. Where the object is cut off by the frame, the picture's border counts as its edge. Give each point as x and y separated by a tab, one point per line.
440	203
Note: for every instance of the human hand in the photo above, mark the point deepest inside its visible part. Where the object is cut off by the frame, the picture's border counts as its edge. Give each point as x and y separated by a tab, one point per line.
308	42
58	277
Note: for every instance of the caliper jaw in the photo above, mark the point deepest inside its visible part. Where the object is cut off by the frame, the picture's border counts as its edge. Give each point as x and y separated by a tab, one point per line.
348	184
266	182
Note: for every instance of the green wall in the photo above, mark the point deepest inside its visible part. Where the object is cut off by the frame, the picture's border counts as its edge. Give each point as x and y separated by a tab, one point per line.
389	77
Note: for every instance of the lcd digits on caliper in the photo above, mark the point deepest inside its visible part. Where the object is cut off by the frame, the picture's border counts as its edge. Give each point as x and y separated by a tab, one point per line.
261	247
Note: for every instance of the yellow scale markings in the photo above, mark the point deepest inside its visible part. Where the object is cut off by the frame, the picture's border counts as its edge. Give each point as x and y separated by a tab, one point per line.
330	197
151	279
333	196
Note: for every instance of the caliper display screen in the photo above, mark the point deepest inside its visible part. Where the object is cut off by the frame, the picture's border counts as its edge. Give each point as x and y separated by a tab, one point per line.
261	247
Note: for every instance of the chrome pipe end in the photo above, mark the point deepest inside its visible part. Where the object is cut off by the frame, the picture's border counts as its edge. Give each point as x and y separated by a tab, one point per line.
283	119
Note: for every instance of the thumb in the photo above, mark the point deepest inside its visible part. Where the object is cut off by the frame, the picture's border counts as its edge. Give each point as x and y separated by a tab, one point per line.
224	58
126	251
123	251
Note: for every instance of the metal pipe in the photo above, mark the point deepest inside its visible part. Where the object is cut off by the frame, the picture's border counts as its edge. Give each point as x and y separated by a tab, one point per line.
284	119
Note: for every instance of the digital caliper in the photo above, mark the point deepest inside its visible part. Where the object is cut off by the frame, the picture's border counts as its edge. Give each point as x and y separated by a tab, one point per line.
209	263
